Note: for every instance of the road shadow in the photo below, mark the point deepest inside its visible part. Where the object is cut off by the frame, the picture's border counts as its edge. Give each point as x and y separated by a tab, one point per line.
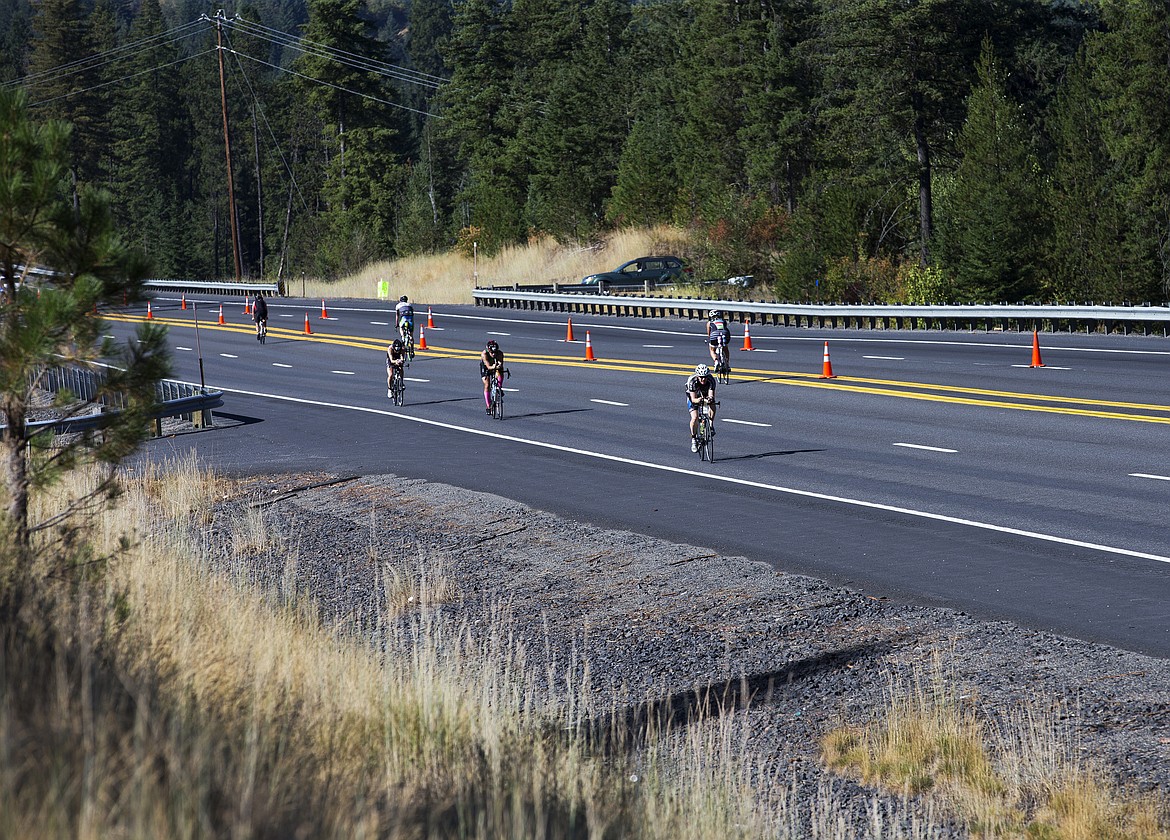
624	730
242	419
549	413
440	402
757	455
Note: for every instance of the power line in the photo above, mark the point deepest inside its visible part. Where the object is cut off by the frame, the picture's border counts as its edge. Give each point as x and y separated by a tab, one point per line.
125	78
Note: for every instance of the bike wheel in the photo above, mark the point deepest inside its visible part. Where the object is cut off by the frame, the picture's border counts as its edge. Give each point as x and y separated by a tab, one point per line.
709	444
702	433
498	403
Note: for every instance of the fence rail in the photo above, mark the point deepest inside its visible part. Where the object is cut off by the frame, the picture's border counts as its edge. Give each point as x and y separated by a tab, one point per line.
175	399
1126	319
175	286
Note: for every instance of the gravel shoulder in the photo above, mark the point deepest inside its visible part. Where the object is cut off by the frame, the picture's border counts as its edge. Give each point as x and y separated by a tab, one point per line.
660	619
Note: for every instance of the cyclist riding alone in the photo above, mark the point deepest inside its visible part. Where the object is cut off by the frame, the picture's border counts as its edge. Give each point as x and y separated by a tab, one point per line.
491	362
404	313
700	388
260	315
717	333
395	360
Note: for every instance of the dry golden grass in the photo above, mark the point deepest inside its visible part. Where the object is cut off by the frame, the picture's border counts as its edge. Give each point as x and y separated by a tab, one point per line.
450	277
1021	780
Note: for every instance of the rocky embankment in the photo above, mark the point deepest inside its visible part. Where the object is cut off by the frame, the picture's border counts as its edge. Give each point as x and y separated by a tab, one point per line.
660	619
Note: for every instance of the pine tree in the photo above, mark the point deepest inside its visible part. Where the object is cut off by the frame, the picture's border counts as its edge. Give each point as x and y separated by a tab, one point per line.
992	228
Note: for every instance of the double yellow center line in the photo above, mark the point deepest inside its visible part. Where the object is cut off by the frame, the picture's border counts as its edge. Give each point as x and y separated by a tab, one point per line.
953	394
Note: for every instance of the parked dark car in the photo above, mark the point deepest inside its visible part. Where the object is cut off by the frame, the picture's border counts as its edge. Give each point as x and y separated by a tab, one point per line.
636	273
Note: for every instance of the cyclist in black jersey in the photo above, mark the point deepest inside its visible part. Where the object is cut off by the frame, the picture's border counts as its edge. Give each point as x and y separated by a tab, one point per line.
491	362
700	388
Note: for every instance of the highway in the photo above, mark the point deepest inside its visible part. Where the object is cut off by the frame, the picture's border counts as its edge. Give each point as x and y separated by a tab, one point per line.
936	468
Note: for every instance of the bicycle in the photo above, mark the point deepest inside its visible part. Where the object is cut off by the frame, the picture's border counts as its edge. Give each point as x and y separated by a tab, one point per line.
705	432
408	341
261	330
397	386
496	393
722	366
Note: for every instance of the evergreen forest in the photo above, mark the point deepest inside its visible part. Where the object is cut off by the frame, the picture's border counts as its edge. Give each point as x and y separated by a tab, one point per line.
912	151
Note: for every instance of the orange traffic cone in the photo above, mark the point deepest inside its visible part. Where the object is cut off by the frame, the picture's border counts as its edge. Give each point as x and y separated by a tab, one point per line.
569	334
149	314
422	338
1036	351
221	314
247	306
430	319
588	348
308	329
184	302
827	367
324	314
747	337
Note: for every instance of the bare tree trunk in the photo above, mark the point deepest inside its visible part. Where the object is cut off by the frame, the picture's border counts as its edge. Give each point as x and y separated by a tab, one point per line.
284	238
925	207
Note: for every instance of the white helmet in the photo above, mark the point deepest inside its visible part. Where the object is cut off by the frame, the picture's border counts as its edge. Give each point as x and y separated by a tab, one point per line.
702	370
714	313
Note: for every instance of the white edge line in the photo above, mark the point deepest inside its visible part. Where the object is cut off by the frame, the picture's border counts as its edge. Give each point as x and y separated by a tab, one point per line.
611	402
927	448
742	482
746	423
1148	475
890	358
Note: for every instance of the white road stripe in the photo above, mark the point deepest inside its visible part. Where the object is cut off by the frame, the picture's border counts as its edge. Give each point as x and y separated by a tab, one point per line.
762	350
380	323
746	423
1049	367
282	315
278	364
659	346
927	448
611	402
181	347
229	356
512	390
343	372
742	482
414	379
891	358
1147	475
492	332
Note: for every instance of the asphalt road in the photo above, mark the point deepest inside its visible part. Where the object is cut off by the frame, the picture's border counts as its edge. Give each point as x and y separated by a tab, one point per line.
937	468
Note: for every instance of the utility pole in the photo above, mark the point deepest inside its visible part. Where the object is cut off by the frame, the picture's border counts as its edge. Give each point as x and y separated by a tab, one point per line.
227	146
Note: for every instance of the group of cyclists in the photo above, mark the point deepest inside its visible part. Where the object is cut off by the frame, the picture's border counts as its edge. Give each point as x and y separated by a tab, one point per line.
700	387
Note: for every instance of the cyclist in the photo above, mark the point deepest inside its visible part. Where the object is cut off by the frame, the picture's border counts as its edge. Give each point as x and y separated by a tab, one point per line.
700	388
491	362
395	360
717	334
260	316
404	313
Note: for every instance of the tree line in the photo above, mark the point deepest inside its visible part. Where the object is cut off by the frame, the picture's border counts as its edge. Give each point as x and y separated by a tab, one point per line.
853	150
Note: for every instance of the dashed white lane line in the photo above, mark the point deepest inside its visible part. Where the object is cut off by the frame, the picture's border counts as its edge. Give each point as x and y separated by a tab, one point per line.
659	346
611	402
512	390
283	315
1148	475
720	477
229	356
343	372
890	358
415	379
927	448
280	364
492	332
1049	367
380	323
761	350
181	347
746	423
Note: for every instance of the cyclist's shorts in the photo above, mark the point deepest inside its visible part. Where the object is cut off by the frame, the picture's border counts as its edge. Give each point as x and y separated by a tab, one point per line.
719	337
407	322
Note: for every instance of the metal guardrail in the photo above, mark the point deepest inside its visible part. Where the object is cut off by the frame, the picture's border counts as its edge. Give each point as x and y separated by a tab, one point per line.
846	316
175	399
209	287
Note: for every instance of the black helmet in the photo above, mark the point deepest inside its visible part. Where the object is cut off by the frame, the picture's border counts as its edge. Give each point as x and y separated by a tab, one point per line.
397	345
491	345
402	299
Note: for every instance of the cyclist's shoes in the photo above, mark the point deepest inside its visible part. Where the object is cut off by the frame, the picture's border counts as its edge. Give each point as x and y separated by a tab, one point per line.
694	445
389	394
